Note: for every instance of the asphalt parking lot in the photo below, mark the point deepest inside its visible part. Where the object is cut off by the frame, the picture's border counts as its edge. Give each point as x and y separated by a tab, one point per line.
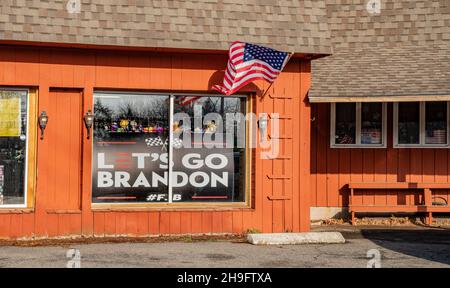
395	247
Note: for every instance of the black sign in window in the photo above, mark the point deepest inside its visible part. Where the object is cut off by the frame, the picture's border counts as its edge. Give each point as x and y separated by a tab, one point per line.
133	148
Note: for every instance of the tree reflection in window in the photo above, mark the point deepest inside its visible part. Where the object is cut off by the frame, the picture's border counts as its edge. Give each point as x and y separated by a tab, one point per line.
133	114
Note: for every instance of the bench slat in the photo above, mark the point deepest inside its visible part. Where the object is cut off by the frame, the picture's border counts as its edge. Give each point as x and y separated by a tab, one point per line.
386	209
438	209
382	185
399	208
398	185
434	185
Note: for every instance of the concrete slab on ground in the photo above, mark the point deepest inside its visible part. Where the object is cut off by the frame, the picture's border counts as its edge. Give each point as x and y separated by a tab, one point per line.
296	238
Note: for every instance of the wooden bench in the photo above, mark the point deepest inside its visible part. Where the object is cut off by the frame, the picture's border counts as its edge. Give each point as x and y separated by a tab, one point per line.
426	205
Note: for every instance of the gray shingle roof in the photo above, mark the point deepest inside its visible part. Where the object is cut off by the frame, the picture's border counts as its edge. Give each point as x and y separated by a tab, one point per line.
289	25
403	51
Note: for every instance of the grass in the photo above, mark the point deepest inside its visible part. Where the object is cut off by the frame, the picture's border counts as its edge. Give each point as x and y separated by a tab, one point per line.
69	242
252	231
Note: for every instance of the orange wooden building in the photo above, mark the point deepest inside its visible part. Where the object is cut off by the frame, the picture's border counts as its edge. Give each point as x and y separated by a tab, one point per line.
92	95
380	110
133	67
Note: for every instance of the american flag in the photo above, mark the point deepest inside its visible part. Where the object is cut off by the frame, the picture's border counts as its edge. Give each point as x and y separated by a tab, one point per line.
186	100
248	62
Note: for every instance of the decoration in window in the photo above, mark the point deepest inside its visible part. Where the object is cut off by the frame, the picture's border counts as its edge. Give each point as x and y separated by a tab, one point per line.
421	124
358	124
371	123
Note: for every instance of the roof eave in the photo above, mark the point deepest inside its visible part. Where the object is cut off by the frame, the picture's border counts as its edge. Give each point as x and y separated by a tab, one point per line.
309	56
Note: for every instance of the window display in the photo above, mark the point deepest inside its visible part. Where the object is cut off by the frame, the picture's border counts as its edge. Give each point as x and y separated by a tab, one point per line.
358	124
409	123
13	146
421	124
207	122
132	150
371	123
345	123
436	123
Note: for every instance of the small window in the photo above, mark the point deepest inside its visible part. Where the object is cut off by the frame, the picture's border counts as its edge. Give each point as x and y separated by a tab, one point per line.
345	123
421	124
409	123
436	123
372	123
358	125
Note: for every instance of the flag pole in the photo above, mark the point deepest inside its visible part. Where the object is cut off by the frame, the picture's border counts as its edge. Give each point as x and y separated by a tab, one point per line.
289	58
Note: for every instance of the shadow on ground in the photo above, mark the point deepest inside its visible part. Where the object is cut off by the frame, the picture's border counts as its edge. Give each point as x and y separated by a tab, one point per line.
420	243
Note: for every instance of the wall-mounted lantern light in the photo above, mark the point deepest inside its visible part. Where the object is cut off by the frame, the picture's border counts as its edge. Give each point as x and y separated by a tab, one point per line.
43	120
88	122
262	123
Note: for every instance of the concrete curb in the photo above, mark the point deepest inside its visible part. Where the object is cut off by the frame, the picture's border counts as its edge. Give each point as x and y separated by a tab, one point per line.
296	238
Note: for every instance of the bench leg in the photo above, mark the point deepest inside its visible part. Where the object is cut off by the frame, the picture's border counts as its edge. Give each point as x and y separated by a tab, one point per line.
353	218
427	197
430	218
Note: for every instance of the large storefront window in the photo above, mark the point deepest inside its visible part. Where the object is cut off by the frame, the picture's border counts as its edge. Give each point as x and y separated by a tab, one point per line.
358	125
217	166
130	148
420	124
13	147
132	136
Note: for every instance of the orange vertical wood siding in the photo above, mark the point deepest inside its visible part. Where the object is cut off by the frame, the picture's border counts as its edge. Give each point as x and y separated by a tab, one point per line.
52	69
333	168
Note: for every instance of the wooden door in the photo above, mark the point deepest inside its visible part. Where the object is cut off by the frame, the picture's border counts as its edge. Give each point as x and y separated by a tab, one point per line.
61	151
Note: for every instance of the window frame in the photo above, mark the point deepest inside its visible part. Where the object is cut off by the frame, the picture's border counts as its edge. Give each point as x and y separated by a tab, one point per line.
31	150
358	123
247	203
422	125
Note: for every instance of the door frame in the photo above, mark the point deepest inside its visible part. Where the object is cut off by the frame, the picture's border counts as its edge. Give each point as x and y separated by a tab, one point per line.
45	215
